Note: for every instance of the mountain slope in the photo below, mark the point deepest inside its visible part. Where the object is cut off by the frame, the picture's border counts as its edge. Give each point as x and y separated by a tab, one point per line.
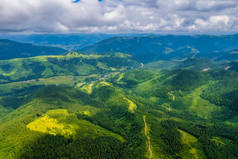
69	122
76	64
168	47
117	109
65	122
11	49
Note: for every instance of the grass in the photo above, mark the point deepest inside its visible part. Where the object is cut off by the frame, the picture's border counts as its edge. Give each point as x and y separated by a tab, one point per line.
88	88
85	110
132	106
106	83
120	77
187	138
56	80
199	106
48	124
190	151
72	64
69	80
24	125
60	122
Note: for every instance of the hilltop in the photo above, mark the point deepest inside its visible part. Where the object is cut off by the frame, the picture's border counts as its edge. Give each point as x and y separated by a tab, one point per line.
71	64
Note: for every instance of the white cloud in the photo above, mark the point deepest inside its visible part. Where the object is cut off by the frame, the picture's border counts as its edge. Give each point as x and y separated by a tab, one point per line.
221	19
119	16
215	23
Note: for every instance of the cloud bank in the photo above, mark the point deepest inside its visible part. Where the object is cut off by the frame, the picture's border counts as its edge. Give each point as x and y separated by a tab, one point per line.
119	16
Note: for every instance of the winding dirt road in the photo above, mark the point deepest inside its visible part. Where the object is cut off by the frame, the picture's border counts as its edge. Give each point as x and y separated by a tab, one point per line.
148	137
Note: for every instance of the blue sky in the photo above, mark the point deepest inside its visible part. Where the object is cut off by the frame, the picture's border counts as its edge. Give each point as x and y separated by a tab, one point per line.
119	16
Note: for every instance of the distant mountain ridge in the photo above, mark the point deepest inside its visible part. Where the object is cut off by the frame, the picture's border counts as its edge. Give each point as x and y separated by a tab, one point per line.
66	41
168	47
11	49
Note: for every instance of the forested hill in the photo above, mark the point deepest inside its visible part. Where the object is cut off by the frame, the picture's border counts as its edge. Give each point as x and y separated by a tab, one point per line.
168	47
70	64
11	49
133	114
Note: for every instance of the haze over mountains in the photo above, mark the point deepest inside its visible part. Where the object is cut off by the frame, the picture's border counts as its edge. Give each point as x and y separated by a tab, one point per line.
168	47
66	41
146	48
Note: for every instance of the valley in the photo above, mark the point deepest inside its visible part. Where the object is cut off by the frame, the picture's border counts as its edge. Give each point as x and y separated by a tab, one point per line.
100	106
119	79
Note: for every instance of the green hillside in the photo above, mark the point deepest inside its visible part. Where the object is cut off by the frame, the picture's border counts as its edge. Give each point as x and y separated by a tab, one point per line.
67	119
71	64
109	106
